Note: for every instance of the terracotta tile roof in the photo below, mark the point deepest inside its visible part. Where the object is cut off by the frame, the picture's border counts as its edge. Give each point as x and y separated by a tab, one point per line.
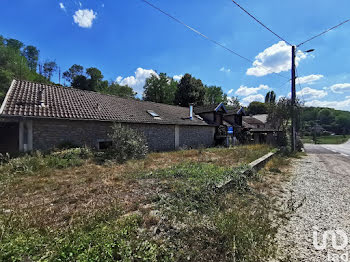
27	99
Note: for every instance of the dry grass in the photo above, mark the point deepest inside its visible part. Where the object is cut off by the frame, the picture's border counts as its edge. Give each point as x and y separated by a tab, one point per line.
59	198
273	175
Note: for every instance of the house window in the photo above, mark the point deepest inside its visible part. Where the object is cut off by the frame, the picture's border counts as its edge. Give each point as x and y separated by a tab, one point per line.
104	144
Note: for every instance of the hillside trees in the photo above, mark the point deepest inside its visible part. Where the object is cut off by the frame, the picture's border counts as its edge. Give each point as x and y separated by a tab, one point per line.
49	68
331	120
17	61
31	53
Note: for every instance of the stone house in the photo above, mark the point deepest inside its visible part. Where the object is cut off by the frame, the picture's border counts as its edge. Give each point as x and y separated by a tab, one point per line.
40	117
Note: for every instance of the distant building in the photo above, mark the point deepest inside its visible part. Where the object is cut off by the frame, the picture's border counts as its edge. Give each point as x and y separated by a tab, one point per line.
228	122
261	131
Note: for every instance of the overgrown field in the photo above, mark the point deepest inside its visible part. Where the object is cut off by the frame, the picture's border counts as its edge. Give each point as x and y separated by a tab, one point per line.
66	207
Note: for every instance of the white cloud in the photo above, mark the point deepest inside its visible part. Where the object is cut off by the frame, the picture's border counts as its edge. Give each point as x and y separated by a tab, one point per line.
246	91
230	91
177	77
62	7
308	93
340	88
275	59
310	79
119	79
84	18
138	81
340	105
226	70
247	100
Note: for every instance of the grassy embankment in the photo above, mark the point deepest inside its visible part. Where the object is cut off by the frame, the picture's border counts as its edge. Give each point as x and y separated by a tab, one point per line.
65	207
338	139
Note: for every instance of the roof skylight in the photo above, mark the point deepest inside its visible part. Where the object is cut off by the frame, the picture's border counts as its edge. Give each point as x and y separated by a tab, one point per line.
152	113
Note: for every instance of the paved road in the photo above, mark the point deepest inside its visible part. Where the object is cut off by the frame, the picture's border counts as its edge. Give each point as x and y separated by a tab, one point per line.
321	182
343	149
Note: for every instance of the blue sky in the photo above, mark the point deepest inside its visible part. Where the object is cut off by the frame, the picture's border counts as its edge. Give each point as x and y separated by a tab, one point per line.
128	40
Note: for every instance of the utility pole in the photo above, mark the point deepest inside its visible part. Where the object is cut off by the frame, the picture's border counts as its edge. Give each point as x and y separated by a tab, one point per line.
293	133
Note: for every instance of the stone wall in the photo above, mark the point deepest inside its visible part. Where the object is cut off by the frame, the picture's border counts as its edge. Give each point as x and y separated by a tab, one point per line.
197	136
50	133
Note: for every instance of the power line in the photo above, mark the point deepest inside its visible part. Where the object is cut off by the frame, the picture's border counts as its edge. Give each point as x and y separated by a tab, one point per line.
260	22
330	29
284	83
301	92
207	38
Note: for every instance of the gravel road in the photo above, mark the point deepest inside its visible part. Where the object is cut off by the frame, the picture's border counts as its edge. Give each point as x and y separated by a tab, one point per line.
321	181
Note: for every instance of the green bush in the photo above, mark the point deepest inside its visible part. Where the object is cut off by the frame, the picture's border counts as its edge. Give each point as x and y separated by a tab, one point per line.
127	144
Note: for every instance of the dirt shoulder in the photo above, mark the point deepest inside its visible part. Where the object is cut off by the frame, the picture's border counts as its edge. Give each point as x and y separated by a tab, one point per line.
319	194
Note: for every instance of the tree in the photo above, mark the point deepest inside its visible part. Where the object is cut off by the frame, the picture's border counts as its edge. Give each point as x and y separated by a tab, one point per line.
256	108
80	82
160	89
14	65
31	53
279	114
270	98
14	44
343	123
72	72
96	78
234	102
49	68
5	79
190	90
214	95
326	117
118	90
2	40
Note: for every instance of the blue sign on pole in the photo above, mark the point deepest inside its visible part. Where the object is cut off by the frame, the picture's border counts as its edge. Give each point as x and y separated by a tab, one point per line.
230	130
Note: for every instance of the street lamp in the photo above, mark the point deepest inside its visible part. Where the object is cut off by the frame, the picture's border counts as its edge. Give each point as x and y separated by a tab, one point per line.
310	51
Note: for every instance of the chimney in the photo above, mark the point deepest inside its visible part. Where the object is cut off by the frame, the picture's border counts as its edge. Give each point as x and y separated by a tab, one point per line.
191	111
41	98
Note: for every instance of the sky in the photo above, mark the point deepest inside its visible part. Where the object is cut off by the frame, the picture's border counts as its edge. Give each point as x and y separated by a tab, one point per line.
128	41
